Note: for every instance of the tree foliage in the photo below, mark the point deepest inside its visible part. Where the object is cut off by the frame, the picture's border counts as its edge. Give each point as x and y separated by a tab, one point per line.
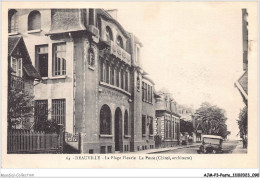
212	119
20	108
243	122
186	126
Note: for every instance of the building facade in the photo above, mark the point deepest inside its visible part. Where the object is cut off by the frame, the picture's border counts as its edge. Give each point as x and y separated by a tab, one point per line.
167	124
92	78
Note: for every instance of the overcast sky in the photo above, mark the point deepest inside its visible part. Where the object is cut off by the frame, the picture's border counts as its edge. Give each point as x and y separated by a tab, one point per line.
195	52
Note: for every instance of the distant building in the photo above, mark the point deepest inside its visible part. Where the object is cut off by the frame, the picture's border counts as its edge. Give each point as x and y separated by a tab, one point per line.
92	77
185	113
167	124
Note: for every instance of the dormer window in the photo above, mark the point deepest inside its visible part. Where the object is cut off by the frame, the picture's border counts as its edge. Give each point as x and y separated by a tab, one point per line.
119	42
109	35
34	21
12	21
17	66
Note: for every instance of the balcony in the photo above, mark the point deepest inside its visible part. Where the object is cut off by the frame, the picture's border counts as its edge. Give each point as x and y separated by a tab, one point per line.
17	82
117	51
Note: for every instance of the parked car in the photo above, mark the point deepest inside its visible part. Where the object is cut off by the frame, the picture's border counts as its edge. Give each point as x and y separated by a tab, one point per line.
211	144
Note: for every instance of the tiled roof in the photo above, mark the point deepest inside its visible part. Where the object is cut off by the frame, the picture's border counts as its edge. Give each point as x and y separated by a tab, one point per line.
12	43
31	71
17	41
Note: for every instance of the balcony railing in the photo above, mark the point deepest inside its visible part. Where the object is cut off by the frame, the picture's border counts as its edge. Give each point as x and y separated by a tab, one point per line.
120	53
17	82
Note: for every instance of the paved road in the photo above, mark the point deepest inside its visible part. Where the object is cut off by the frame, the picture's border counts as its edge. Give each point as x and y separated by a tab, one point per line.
228	147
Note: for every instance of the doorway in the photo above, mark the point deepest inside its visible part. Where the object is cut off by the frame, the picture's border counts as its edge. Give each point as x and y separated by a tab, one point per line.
118	130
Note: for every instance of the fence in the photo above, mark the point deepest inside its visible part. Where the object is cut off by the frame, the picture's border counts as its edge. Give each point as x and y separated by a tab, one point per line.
23	141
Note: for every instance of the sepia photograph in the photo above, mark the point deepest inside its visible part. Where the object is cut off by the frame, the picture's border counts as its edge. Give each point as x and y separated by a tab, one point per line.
150	78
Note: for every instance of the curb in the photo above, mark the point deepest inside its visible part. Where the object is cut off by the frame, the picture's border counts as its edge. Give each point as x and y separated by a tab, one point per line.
176	148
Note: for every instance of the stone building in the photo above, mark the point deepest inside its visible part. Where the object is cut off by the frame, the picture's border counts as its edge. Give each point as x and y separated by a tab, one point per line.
92	78
167	124
185	112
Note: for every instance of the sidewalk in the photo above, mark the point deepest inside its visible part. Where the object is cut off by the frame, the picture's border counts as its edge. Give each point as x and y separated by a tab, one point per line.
159	150
239	149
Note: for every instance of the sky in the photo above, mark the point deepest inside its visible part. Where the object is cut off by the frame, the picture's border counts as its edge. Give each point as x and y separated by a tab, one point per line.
194	51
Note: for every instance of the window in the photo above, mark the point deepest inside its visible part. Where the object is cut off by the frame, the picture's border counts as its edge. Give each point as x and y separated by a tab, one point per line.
107	72
105	120
145	87
119	42
126	123
143	90
42	60
166	129
59	59
17	66
91	57
149	93
126	81
59	111
91	151
109	34
122	79
109	149
117	77
40	113
112	75
12	21
151	126
143	124
170	129
103	70
102	149
34	20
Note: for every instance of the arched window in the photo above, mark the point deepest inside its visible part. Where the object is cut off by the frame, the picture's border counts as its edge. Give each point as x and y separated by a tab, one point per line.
12	21
119	42
126	123
91	57
34	20
109	34
105	120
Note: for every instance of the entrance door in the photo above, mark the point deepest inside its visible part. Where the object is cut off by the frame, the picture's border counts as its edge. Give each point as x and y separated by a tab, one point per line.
118	130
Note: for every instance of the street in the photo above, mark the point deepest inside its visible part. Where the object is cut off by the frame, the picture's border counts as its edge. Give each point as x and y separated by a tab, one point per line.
228	147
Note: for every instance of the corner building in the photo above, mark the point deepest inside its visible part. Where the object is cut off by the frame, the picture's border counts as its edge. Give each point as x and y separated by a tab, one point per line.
92	78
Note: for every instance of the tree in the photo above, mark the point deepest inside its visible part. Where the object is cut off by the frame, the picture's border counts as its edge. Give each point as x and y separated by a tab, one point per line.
186	126
213	120
243	125
20	108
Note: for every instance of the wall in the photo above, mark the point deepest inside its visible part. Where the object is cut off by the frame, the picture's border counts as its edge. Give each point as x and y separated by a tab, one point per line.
49	88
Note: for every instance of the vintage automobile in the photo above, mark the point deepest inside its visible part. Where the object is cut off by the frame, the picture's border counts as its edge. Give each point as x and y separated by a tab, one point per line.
211	144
